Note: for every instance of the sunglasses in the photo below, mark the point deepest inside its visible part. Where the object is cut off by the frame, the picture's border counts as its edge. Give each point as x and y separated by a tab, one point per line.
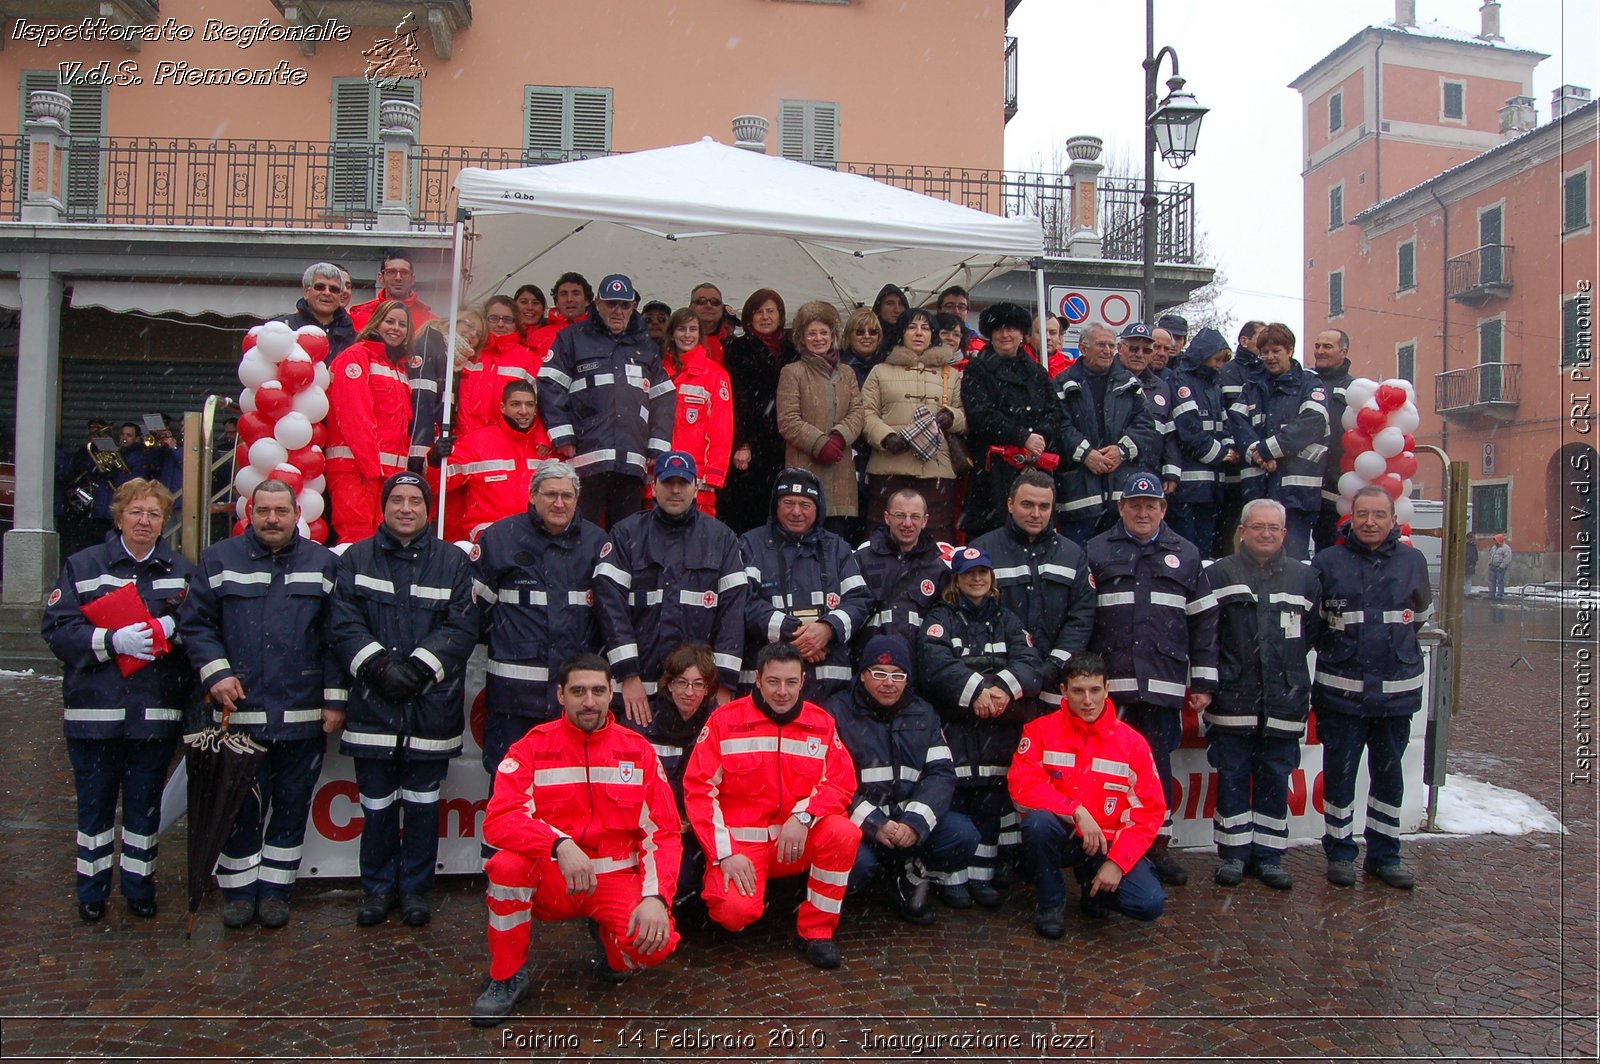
327	288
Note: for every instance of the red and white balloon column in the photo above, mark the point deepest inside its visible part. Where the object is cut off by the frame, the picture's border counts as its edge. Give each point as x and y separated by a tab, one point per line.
1378	446
284	402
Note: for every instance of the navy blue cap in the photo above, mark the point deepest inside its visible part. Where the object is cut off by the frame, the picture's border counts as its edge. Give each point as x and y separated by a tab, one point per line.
1142	485
970	558
616	288
1137	331
886	651
1176	324
403	477
675	464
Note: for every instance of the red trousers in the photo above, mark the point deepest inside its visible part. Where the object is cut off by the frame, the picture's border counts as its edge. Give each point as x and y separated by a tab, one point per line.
829	855
522	888
353	500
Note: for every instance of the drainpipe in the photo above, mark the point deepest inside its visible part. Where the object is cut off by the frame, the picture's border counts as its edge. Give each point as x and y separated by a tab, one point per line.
1444	310
1377	104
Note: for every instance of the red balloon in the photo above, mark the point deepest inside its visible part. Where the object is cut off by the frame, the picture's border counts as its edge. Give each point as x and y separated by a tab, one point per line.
319	435
1391	484
238	528
1403	465
241	455
318	530
1368	420
1390	398
252	427
309	460
273	400
294	376
1410	443
289	476
1405	530
249	342
314	344
1354	441
1347	462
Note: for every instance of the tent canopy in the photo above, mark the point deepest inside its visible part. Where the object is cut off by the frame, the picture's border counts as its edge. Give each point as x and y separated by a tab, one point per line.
673	217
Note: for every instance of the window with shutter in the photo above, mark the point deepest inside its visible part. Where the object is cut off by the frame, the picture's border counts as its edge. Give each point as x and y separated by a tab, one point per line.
353	157
1335	293
1491	509
1577	321
1455	101
1405	358
1406	266
1336	206
808	131
1491	352
1575	201
565	122
85	127
1336	112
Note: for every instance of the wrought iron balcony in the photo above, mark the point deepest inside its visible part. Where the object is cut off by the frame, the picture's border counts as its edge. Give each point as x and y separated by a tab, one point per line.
1011	78
334	185
1489	390
116	12
1482	274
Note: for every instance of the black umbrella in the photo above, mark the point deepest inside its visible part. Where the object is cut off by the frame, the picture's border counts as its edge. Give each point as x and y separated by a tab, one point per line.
222	770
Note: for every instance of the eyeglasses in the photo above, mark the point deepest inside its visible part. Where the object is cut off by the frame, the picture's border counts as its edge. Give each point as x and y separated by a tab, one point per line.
500	319
901	515
397	271
144	515
680	684
1253	527
954	308
885	676
326	288
869	332
707	301
558	496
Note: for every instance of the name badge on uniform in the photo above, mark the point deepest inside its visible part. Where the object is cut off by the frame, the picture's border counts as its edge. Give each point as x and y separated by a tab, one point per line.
1291	624
806	614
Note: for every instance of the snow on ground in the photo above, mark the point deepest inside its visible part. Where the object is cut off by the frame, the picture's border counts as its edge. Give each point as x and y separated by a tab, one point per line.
25	674
1472	807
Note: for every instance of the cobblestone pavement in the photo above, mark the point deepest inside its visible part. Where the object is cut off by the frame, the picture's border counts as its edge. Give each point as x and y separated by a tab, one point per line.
1494	955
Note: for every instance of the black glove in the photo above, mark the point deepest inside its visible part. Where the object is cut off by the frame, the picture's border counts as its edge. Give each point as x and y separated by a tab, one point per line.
371	672
894	443
945	417
442	448
403	679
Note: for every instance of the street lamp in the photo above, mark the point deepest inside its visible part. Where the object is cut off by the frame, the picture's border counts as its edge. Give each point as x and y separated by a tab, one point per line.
1174	128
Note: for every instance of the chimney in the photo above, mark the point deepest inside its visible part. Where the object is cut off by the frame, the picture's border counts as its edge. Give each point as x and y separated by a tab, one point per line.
1566	99
1518	116
1489	14
1405	12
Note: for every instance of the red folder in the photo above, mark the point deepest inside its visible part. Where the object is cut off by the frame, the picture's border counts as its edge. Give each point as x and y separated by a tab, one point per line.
123	607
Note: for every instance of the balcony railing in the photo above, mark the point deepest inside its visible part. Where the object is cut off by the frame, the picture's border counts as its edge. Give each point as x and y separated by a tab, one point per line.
333	185
1482	274
1489	389
1011	78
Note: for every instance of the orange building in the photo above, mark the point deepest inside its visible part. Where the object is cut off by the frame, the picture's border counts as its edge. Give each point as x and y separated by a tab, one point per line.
1449	235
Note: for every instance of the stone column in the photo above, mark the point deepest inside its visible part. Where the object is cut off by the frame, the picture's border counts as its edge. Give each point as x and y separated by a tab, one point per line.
398	123
46	192
32	554
1083	171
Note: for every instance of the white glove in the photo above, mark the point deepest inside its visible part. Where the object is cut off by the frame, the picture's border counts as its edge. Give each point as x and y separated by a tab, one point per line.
168	626
134	641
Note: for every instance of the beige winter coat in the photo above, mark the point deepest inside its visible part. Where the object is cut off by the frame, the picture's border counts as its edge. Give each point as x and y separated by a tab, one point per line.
814	400
894	389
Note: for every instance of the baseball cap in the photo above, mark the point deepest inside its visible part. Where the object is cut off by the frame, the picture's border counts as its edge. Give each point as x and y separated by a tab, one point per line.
1136	331
1176	324
1143	485
616	288
970	558
675	464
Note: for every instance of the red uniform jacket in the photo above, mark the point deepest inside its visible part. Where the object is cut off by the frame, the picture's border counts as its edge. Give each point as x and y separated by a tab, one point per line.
369	412
488	475
703	424
604	790
540	339
482	385
748	775
421	313
1063	763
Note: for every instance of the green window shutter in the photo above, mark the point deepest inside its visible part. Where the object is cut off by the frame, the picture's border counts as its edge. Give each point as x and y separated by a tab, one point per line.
1455	99
1335	206
590	124
1407	267
808	131
1335	293
1336	112
1575	196
352	180
1406	362
565	122
86	127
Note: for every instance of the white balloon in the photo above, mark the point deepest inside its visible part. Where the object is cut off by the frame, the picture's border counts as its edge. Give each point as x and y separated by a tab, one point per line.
1406	418
1358	391
318	484
301	527
265	454
313	404
310	505
1350	483
293	430
1343	506
340	548
1370	464
1405	487
1404	511
1388	442
1348	420
274	341
247	401
297	354
246	479
240	506
322	378
254	370
254	329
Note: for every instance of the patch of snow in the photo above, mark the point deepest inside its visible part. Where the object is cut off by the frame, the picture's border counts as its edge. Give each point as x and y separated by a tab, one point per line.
1472	807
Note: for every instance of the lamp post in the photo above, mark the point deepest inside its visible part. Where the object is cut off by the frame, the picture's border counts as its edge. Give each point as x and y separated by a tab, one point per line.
1174	127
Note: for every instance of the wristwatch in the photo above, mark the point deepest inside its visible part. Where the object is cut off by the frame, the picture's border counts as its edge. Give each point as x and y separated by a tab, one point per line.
806	819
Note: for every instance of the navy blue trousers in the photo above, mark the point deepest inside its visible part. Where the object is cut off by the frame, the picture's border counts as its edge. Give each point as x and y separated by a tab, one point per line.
1384	739
1162	728
101	770
261	856
1048	845
393	859
1251	821
1195	522
942	857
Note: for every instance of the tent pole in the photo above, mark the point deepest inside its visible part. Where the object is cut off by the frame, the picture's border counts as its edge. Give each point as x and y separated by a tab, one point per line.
1039	294
446	411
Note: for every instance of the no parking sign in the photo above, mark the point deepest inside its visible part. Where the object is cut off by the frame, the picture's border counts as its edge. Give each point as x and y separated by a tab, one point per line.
1111	307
